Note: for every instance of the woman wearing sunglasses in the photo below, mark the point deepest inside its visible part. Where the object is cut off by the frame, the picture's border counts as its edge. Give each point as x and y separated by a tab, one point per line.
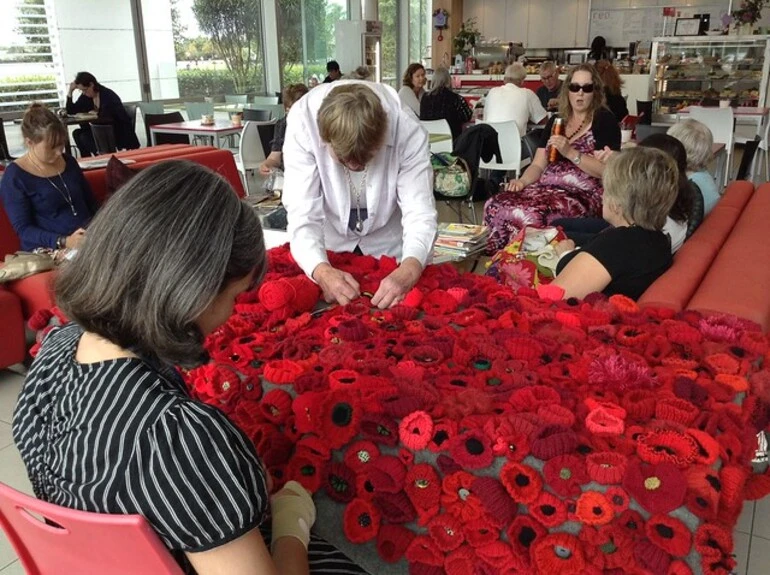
571	186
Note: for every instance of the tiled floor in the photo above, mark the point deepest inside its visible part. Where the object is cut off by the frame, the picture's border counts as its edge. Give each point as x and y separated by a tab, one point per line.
752	533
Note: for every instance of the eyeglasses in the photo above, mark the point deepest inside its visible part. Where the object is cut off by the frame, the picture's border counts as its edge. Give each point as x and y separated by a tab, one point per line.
587	88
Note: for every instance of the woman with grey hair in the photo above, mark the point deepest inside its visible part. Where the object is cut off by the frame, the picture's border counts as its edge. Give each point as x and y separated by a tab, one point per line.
698	143
441	103
104	422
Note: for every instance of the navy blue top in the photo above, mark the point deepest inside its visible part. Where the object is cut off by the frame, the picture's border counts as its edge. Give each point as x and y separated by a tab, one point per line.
38	211
111	111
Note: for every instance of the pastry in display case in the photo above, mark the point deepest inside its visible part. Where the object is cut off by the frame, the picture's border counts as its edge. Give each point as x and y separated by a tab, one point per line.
698	70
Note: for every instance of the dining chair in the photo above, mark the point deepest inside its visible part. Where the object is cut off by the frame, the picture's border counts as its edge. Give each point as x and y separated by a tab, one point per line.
439	128
746	167
644	130
196	110
131	111
237	99
763	157
721	122
644	111
104	138
256	115
510	149
250	155
170	118
266	135
265	100
150	108
49	539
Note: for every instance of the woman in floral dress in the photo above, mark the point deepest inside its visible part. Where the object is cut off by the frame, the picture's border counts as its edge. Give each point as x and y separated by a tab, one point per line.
571	186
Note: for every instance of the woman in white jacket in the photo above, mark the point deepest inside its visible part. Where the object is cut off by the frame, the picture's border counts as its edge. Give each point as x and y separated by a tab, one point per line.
358	178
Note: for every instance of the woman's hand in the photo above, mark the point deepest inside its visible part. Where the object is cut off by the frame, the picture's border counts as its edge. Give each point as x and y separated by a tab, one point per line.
515	186
394	288
561	143
72	88
74	240
564	246
603	155
265	169
338	286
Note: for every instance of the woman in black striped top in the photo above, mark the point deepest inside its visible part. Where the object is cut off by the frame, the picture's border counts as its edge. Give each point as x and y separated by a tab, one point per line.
104	422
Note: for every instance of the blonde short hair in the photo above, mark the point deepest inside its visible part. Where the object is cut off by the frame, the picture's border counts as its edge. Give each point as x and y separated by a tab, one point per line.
697	141
353	122
643	183
515	74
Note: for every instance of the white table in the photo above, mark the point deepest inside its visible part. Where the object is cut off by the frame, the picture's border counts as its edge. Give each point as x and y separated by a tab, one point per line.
217	130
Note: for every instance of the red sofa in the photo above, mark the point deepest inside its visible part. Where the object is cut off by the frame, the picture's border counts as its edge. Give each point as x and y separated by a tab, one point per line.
725	266
20	299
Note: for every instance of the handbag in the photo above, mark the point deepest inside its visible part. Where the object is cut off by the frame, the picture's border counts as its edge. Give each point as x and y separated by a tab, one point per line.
24	264
529	259
451	175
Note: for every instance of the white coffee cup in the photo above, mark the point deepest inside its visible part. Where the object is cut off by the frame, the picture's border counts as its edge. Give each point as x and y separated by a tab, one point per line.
207	119
625	136
724	103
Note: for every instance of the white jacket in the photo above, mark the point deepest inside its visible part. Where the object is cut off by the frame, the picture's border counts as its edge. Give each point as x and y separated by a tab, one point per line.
401	218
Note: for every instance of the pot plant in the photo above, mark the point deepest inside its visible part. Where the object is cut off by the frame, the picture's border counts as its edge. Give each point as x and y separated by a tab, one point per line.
748	14
466	38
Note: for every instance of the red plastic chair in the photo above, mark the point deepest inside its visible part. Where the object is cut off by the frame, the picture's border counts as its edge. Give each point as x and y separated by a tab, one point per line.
86	543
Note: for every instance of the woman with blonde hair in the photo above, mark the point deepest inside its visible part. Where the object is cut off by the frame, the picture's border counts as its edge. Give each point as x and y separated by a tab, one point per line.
570	186
640	188
358	178
413	87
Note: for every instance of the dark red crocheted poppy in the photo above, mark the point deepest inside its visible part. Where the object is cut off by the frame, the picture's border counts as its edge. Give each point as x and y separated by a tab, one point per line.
657	488
558	554
423	549
498	505
446	532
443	431
480	532
702	505
458	498
497	555
360	521
423	487
393	541
632	522
677	410
522	482
551	441
640	405
341	415
532	397
651	557
523	533
416	430
461	561
306	470
666	446
379	429
550	510
608	547
606	468
594	509
308	411
276	405
395	507
565	474
618	498
472	450
387	474
556	415
669	534
513	446
360	454
715	545
340	482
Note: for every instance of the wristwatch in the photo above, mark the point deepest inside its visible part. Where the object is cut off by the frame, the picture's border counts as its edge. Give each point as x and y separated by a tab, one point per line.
61	242
576	159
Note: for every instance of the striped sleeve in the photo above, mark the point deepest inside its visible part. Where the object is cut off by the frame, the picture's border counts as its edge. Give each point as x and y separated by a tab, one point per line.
197	479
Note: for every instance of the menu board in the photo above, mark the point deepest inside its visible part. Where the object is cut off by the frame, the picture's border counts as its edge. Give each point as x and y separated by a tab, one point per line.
621	26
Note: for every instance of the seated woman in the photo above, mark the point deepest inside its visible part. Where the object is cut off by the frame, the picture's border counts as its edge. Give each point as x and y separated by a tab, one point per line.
640	187
291	94
48	200
612	85
571	186
413	88
104	422
109	108
441	103
698	143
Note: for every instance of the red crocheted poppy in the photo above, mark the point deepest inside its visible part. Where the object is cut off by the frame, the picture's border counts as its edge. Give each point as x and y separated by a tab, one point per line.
657	488
360	454
446	532
558	554
395	507
618	498
608	547
497	555
533	397
426	356
722	363
497	504
340	420
679	567
423	487
632	336
669	534
416	430
524	348
393	541
666	446
461	561
344	379
219	382
523	483
306	470
424	550
513	446
276	405
340	482
523	533
550	510
360	521
632	522
677	410
379	429
443	431
469	316
472	450
308	411
458	498
640	404
651	557
387	474
480	532
733	479
551	441
275	449
606	468
602	422
715	545
565	474
594	509
556	415
282	371
702	505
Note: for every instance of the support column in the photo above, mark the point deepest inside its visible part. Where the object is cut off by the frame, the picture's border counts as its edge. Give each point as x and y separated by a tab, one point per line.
272	59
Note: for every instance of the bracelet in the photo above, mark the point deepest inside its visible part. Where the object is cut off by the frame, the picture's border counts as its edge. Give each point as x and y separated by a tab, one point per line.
61	242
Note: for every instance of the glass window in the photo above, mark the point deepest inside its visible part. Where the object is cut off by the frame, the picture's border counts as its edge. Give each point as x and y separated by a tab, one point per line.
419	31
389	17
28	71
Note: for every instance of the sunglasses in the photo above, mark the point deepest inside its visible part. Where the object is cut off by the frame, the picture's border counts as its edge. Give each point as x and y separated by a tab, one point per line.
587	88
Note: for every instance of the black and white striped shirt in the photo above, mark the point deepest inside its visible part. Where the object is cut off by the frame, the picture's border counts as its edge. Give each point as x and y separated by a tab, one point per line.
122	436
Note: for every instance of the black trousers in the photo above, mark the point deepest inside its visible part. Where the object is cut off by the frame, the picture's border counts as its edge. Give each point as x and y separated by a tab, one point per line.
581	230
84	140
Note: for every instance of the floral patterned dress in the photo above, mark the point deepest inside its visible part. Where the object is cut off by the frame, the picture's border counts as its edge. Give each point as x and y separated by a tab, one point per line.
563	191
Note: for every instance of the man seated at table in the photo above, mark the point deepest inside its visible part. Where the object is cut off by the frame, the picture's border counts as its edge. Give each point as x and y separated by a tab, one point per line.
332	72
358	179
109	109
549	91
513	102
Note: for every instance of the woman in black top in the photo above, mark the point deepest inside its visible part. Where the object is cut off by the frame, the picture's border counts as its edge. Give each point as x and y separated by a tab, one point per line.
104	422
640	187
110	110
441	103
612	84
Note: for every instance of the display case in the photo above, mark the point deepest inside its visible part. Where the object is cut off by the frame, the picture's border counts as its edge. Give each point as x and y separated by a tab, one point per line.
708	70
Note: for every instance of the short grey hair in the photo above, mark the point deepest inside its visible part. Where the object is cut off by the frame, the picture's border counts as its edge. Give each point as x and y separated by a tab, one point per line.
515	74
441	79
697	140
156	255
360	73
547	66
